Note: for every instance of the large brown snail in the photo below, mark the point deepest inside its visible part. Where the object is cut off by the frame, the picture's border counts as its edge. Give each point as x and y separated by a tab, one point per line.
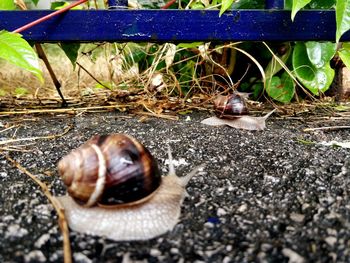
232	110
116	190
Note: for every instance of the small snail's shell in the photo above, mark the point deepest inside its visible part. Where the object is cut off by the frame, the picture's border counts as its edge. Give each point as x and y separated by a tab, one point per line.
127	212
230	107
110	170
232	111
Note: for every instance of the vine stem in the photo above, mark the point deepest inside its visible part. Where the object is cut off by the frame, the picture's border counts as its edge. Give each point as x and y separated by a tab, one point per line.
47	17
167	5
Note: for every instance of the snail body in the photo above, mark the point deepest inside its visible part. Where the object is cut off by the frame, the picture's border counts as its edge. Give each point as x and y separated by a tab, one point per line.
130	203
232	111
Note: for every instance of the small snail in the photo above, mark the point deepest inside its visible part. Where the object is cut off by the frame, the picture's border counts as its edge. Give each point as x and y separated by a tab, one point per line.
116	190
232	110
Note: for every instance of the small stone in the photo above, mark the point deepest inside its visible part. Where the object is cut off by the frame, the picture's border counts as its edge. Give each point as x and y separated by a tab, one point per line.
81	258
226	259
299	218
174	250
42	240
209	225
155	252
3	175
265	247
221	212
331	240
293	256
43	210
242	208
15	231
35	256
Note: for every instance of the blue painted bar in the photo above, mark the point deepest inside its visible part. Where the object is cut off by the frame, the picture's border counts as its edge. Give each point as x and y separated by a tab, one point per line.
274	4
174	25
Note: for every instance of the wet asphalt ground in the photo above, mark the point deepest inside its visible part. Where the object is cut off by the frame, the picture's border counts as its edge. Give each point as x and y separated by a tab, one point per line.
267	196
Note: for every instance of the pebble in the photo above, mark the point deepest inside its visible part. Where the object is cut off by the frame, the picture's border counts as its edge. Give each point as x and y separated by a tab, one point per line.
242	208
15	231
299	218
209	224
42	240
35	256
155	252
293	256
331	240
221	212
174	250
81	258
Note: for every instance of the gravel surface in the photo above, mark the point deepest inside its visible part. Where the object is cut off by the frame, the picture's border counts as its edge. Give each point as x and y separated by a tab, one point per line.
263	196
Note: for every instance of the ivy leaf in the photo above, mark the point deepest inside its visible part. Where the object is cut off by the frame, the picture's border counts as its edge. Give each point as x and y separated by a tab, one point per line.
71	51
297	5
342	13
35	2
322	4
273	67
344	54
225	4
7	5
17	51
281	89
311	64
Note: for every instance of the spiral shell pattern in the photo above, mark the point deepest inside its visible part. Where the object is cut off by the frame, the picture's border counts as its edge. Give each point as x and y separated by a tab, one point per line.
230	107
110	170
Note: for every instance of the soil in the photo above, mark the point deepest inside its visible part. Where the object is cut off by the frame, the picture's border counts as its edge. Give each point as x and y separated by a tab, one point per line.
264	196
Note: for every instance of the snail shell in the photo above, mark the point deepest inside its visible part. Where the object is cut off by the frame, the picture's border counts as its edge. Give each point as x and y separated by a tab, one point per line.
230	106
110	170
141	219
232	111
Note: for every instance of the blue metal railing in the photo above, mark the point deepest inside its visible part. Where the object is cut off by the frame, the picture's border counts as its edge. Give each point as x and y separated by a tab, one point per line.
118	24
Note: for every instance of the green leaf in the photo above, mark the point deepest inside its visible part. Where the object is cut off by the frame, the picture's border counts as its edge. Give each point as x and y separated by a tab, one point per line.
257	89
342	13
17	51
21	91
281	89
322	4
190	45
71	51
225	4
344	54
273	67
2	93
35	2
311	64
288	4
297	5
7	5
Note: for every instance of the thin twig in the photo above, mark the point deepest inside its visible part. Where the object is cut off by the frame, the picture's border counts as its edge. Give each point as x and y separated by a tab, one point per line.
55	203
92	76
43	57
68	110
52	136
329	128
